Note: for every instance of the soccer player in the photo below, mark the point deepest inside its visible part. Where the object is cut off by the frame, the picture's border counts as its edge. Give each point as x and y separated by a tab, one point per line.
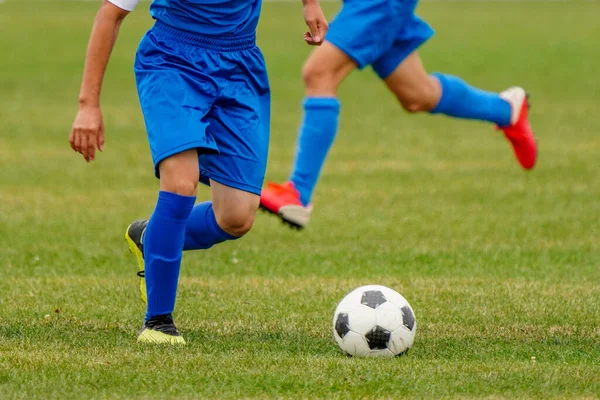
204	93
384	34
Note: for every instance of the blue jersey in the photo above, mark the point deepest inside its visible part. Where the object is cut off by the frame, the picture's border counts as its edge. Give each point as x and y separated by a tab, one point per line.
209	17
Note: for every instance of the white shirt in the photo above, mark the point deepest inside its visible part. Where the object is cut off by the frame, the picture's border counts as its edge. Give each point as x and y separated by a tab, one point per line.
127	5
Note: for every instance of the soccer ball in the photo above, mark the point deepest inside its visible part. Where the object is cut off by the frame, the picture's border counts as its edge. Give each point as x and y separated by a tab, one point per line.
374	321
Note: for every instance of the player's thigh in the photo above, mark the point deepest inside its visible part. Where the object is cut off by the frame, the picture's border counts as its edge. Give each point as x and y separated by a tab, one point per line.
179	173
408	77
326	68
412	85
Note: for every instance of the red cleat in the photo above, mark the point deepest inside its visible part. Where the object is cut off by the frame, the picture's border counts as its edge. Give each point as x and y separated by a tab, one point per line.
519	131
284	201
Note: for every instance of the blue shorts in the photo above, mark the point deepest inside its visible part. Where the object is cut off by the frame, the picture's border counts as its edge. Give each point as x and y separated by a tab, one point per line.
380	33
208	94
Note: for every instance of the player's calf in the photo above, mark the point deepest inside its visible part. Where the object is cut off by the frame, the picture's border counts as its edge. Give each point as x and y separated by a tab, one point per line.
414	88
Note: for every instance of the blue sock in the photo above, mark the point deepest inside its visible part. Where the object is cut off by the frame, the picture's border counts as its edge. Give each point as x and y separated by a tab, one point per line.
461	100
202	230
163	244
314	141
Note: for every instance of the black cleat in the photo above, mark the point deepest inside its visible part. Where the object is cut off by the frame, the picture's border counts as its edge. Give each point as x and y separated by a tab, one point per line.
134	236
160	329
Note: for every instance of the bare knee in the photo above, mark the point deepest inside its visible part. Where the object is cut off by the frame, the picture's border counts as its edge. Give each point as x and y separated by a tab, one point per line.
180	186
236	221
234	208
413	105
325	70
180	174
319	79
421	98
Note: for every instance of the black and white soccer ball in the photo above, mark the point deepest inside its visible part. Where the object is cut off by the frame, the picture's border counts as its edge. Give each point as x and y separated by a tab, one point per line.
374	321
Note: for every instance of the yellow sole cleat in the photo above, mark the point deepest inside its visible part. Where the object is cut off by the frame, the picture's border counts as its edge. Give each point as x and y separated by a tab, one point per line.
133	236
157	337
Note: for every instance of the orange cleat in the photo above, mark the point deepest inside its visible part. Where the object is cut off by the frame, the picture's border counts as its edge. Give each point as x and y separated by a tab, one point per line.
284	201
519	131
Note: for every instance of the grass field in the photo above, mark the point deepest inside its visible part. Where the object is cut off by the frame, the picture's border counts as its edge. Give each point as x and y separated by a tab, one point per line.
501	266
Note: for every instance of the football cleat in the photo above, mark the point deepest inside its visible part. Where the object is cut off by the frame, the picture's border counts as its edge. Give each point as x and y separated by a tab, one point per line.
160	330
284	201
519	132
134	236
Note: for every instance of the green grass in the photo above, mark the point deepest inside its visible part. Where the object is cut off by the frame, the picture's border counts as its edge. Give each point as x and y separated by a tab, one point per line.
501	266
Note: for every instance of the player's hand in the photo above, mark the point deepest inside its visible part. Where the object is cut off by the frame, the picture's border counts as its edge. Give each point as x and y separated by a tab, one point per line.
316	21
87	133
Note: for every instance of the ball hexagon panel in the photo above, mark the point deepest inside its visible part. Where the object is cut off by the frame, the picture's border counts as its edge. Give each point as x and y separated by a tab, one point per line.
361	319
373	298
350	301
389	316
393	296
378	338
400	340
355	345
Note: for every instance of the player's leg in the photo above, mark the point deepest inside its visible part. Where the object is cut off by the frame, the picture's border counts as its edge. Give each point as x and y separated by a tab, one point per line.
354	40
176	133
229	216
236	172
205	227
323	72
438	93
414	88
446	94
163	242
403	72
